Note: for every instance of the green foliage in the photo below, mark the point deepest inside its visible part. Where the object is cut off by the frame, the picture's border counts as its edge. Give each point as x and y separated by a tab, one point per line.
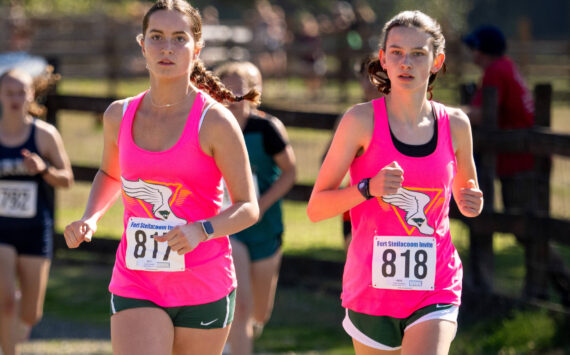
524	332
452	15
74	7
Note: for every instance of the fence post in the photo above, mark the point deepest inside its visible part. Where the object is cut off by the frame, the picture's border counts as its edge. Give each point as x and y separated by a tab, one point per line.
481	239
50	100
51	117
537	246
112	61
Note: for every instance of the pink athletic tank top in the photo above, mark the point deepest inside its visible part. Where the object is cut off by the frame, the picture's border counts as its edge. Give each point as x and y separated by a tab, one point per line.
420	209
180	184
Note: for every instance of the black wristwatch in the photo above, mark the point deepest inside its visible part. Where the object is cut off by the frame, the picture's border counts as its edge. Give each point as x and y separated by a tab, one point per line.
364	188
207	228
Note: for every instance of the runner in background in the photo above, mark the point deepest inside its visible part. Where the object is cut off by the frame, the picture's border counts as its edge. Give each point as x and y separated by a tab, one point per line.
173	283
32	158
406	155
257	250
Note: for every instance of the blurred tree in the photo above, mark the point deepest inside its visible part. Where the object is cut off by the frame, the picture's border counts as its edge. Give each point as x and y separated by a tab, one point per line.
70	7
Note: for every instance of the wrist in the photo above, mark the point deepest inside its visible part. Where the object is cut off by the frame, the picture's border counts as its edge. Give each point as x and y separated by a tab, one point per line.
44	171
207	229
364	188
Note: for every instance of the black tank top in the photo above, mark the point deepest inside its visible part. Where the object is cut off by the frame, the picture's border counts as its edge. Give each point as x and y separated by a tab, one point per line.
12	197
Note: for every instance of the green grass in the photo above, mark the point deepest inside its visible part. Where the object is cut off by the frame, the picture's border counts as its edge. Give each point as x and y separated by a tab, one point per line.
292	329
79	293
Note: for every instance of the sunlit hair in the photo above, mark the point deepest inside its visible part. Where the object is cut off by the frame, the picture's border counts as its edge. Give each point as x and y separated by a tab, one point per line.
417	19
245	70
202	78
40	86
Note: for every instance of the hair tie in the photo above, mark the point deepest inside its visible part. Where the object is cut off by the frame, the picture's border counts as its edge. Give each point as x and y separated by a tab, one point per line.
239	98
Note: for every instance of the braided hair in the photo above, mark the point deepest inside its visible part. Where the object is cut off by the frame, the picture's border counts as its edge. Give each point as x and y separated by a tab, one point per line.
200	76
245	70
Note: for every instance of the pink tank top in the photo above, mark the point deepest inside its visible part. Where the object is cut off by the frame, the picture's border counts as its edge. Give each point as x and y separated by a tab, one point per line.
180	184
420	209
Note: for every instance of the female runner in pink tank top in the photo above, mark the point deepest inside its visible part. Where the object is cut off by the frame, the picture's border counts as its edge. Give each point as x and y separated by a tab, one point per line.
407	156
165	152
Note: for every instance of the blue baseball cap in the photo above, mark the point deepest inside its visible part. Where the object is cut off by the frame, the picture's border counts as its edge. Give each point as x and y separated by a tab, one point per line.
487	39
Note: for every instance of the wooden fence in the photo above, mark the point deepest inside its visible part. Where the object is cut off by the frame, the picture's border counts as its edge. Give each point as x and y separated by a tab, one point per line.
538	226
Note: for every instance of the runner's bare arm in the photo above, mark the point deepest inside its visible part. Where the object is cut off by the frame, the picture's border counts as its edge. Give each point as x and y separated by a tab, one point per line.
106	186
352	136
231	158
466	191
285	160
57	169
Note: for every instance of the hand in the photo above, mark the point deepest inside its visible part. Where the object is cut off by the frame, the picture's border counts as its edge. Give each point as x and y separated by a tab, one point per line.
183	239
388	180
470	200
77	232
33	162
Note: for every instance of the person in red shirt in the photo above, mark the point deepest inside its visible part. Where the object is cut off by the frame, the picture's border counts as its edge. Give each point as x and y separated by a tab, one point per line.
515	111
515	102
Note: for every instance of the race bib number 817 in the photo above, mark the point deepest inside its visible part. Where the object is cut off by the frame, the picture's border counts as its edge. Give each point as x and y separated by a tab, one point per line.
144	252
404	263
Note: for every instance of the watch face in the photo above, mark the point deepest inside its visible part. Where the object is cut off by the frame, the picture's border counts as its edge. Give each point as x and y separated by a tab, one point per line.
208	228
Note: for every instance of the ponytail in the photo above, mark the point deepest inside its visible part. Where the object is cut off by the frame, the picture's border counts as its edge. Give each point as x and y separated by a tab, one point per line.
207	81
378	76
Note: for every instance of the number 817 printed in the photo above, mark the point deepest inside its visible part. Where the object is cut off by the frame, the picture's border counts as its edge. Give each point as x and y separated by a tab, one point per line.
143	252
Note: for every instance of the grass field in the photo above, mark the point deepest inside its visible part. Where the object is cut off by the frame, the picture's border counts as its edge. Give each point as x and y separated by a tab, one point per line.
513	332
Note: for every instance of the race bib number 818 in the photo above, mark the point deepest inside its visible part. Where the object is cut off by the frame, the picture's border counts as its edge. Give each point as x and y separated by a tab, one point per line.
144	252
404	263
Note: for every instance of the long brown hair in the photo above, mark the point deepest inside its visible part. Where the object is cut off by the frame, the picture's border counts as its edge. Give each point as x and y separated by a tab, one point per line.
200	76
418	19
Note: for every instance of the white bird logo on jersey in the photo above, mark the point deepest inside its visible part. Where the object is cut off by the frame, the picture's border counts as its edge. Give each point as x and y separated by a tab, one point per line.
413	203
154	194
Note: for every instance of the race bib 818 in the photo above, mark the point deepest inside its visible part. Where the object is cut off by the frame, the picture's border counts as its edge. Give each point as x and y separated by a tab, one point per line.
404	263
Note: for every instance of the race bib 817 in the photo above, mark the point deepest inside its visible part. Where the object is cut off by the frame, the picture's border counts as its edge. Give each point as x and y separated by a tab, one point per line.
147	254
